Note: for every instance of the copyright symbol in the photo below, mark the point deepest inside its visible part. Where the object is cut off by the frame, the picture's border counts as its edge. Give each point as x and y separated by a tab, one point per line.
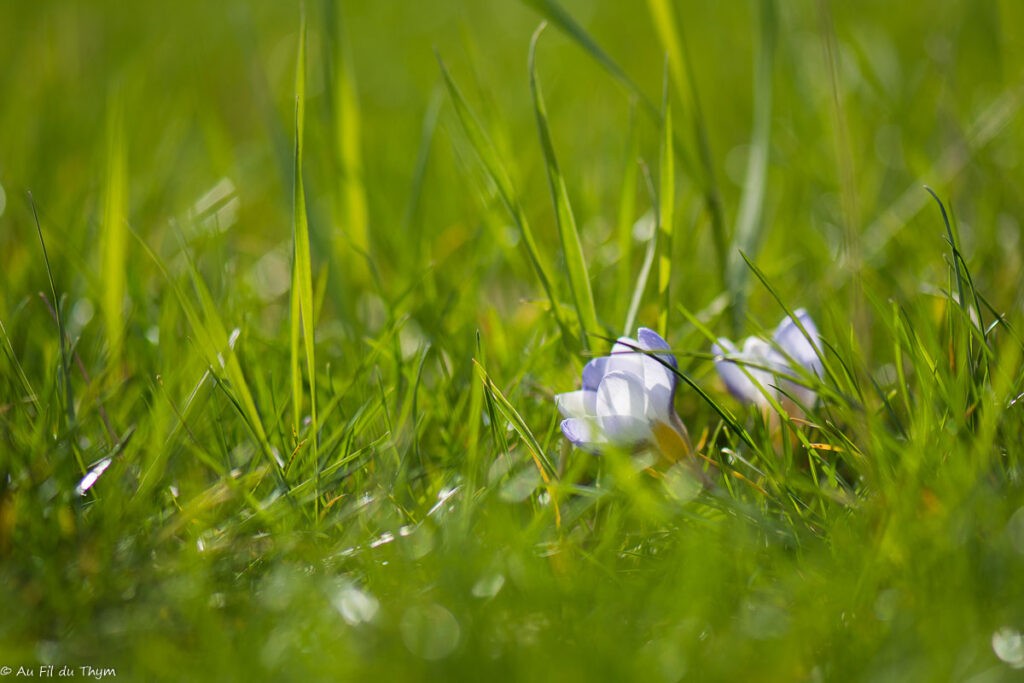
5	670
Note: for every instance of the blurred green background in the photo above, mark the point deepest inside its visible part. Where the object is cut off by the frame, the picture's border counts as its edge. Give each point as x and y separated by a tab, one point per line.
431	552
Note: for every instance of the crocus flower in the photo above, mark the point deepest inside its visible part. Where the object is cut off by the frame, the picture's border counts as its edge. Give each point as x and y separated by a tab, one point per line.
776	368
627	400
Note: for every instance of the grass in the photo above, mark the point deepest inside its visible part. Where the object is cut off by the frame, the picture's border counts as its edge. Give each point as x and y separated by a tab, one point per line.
278	361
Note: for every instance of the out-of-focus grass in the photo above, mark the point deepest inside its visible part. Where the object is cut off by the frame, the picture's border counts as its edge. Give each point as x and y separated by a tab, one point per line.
430	521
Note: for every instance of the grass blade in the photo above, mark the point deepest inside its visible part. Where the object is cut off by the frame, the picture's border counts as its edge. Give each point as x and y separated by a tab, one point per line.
671	36
216	345
666	216
65	360
498	174
575	263
750	221
113	236
302	270
508	411
558	16
352	243
627	215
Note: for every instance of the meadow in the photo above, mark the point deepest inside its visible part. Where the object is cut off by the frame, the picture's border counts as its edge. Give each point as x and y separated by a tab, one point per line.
289	292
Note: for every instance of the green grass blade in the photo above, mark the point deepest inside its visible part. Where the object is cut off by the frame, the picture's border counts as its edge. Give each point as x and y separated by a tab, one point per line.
670	34
351	243
498	174
558	16
215	344
540	459
575	263
645	267
113	236
12	358
750	223
627	215
65	360
666	217
302	268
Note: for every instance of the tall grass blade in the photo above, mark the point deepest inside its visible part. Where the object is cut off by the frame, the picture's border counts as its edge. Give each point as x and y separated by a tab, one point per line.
216	344
352	241
645	268
498	174
575	263
65	359
666	216
750	223
670	34
113	234
302	269
627	214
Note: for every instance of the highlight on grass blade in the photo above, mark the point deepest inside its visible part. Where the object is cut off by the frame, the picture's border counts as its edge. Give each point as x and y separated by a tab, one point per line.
575	263
113	234
666	22
351	244
302	270
750	220
666	214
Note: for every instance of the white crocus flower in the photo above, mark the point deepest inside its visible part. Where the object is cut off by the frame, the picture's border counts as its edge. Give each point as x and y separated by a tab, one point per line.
627	400
765	371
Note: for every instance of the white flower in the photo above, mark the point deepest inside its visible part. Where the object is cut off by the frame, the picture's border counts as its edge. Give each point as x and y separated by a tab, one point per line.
627	399
775	370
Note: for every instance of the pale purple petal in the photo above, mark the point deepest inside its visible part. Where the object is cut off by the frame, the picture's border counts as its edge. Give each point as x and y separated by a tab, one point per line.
622	408
593	372
626	358
626	430
796	345
743	372
651	341
583	433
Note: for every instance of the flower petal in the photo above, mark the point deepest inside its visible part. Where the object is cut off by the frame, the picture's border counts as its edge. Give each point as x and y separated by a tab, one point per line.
583	433
801	348
626	357
652	341
743	372
622	408
593	372
576	403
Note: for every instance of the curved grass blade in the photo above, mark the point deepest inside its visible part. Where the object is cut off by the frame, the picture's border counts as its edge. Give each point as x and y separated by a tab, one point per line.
558	16
216	345
498	174
508	411
575	263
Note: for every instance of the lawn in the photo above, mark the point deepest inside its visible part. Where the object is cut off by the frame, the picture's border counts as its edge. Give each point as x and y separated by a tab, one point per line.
295	299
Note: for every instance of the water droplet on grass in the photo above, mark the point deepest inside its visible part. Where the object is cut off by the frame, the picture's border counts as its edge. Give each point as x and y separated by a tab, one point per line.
1008	644
488	586
430	632
355	606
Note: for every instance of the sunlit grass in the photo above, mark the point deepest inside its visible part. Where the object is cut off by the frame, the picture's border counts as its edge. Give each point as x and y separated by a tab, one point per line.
276	390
